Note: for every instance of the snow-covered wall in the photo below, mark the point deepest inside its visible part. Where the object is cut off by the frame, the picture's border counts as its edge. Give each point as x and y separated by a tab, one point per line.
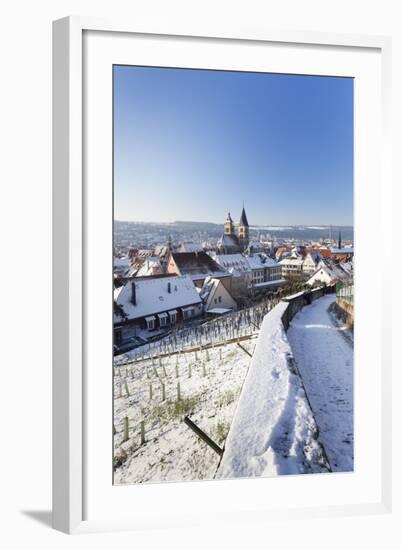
273	430
297	301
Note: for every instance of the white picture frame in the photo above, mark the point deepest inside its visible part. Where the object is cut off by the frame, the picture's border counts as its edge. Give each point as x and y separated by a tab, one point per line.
69	229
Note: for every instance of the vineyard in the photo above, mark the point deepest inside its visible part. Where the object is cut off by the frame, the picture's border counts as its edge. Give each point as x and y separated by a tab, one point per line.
153	394
238	324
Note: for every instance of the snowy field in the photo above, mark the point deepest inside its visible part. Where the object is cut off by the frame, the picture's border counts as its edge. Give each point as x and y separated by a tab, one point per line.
156	393
324	356
282	417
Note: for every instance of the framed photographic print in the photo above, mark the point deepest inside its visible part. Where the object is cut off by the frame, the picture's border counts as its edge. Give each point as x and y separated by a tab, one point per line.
216	199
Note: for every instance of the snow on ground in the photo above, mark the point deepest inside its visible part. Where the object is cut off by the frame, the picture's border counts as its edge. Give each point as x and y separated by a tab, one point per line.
273	431
324	358
210	383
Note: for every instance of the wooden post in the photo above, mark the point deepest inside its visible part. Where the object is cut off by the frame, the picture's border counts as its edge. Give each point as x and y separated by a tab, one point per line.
150	391
163	391
189	371
203	436
178	392
164	371
204	369
126	388
177	374
126	429
120	393
143	440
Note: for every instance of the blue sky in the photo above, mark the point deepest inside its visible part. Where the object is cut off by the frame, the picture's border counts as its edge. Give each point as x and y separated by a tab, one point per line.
193	144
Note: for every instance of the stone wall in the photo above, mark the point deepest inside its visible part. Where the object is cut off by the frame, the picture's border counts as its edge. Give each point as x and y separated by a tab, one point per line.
345	310
297	301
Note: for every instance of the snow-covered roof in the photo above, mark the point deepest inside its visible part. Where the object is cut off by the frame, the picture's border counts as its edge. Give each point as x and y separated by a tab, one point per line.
151	266
345	250
228	240
242	264
198	265
256	245
315	256
121	262
238	262
269	283
153	296
190	247
330	271
219	310
259	261
161	250
291	261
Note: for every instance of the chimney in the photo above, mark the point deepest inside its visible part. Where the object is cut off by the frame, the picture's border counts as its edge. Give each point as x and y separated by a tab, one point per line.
169	287
133	294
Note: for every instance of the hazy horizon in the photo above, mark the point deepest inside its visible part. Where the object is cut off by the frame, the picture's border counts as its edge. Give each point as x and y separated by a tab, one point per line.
307	224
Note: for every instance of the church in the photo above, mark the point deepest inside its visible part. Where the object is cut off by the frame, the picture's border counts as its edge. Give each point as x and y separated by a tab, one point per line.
235	237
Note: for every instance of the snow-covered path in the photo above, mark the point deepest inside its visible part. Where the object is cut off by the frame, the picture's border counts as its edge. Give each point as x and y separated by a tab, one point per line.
325	361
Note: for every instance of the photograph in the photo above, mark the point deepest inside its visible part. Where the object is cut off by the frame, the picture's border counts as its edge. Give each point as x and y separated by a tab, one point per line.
232	274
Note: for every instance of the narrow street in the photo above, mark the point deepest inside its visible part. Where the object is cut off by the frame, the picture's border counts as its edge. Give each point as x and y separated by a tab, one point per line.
324	357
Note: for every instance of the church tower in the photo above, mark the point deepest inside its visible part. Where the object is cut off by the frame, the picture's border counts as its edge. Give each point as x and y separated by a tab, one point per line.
243	230
228	225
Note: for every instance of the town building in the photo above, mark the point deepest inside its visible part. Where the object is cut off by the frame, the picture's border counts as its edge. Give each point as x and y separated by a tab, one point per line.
330	271
121	266
236	235
256	271
266	272
150	267
190	247
216	298
146	307
292	267
197	265
311	261
241	273
255	246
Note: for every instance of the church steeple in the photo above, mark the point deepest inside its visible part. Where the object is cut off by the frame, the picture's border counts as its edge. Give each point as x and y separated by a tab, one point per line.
243	229
243	220
229	225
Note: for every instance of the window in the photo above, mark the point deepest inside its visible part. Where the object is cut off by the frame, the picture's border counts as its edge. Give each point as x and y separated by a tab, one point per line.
219	299
173	318
150	324
187	313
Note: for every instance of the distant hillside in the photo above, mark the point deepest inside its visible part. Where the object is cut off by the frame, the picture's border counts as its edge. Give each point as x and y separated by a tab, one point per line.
147	234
